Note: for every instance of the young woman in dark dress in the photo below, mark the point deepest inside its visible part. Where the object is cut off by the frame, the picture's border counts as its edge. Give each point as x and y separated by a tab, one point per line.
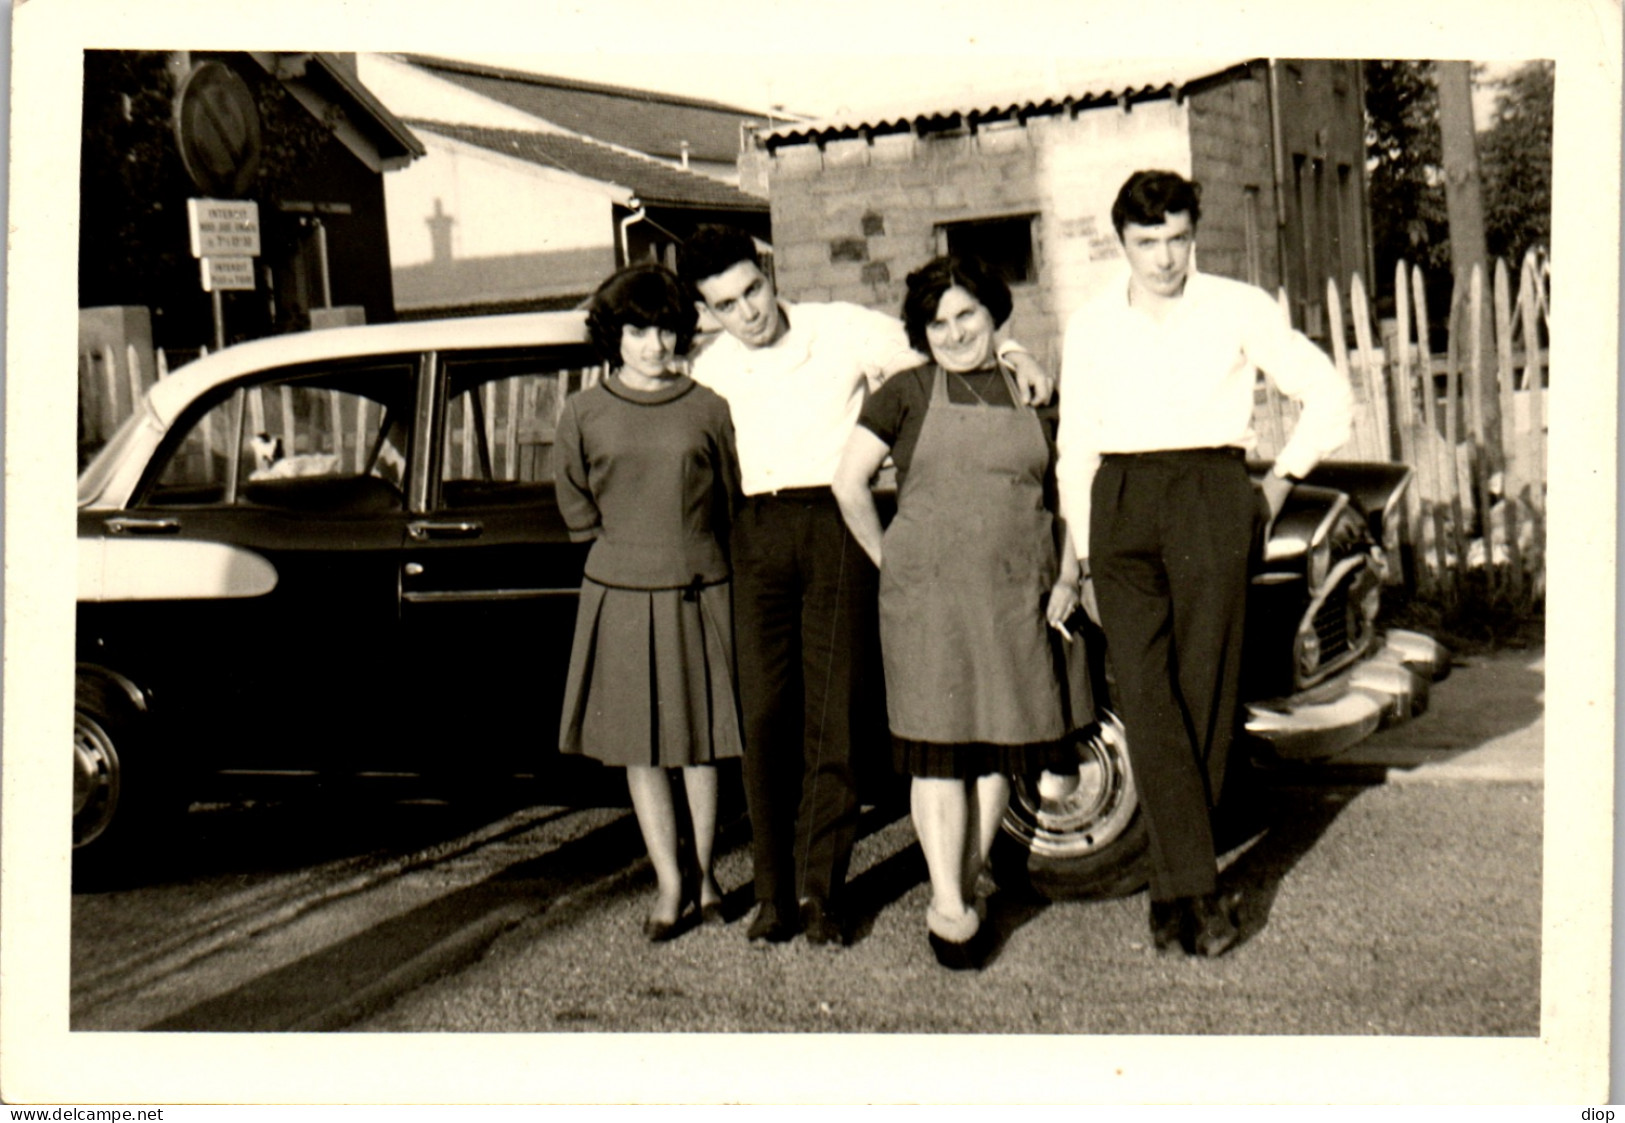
974	570
646	470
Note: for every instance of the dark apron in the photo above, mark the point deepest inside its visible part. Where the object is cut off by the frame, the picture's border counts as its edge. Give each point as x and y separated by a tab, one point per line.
965	568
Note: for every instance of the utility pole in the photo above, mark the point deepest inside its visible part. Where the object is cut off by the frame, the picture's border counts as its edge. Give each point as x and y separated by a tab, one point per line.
1464	203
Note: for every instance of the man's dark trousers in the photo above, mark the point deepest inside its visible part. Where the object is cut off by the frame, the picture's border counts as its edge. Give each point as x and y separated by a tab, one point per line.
804	622
1170	534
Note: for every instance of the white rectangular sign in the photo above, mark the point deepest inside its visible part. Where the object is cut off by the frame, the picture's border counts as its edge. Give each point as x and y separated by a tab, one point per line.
224	227
222	274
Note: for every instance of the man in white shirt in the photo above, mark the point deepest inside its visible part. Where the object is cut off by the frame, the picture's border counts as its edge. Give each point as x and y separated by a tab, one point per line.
1157	378
795	377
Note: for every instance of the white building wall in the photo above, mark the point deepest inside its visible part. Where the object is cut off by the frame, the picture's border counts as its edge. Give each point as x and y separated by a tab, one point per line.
498	205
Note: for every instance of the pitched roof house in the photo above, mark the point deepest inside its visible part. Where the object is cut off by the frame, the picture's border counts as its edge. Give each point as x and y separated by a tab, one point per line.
534	188
703	136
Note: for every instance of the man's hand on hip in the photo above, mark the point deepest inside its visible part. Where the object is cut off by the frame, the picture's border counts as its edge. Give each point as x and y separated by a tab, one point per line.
1276	489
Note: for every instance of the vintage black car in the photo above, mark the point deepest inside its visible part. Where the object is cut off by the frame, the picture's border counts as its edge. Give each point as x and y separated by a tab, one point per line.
336	556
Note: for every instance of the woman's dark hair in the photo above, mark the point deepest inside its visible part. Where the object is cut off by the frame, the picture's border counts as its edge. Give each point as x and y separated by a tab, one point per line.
713	250
644	296
1147	198
927	284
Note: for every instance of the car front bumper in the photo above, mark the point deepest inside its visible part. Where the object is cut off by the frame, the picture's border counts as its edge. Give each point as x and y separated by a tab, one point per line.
1386	688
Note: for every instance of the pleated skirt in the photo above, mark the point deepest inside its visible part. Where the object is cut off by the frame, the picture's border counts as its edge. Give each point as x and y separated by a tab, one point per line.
652	677
966	761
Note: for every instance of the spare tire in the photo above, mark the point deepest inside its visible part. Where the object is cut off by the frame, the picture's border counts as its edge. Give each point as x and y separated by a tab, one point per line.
1090	843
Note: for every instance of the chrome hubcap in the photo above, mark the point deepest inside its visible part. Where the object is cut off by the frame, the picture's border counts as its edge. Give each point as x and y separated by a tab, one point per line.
1089	818
95	779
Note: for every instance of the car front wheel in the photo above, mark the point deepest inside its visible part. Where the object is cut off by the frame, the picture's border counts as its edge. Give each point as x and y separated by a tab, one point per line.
1091	842
122	795
97	777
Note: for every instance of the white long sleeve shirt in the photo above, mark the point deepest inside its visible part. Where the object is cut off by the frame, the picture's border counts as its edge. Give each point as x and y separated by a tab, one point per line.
1130	383
794	402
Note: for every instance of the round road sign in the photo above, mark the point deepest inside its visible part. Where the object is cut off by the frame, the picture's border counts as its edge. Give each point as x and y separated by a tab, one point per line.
217	126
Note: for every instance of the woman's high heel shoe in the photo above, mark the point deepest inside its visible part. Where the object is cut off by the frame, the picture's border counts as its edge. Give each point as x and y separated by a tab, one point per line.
959	943
659	931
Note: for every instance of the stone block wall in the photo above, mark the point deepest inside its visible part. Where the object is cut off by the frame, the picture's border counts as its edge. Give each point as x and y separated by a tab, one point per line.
851	221
854	223
1231	157
853	218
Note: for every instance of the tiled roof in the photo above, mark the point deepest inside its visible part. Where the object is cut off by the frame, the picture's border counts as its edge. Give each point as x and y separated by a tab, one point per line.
561	277
1079	83
645	120
650	180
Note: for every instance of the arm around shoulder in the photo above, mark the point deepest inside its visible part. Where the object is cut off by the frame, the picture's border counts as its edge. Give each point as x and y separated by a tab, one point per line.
881	341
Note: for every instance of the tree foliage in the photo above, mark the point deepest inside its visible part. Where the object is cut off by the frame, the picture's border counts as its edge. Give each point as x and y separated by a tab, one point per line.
1404	165
1515	158
1409	218
134	248
132	185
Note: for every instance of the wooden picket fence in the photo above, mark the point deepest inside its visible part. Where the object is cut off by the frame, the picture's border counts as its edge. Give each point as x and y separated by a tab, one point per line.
520	416
110	385
1477	501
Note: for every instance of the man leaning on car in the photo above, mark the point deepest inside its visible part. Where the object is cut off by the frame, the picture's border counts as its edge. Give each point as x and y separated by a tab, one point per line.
1157	378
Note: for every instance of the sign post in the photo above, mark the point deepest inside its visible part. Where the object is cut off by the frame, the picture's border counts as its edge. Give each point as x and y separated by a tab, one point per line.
225	237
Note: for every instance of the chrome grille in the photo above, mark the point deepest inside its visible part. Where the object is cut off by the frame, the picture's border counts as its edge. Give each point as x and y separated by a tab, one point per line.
1342	632
1332	621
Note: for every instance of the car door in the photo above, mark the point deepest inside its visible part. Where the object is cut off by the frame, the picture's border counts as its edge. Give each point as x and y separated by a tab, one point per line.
252	584
491	578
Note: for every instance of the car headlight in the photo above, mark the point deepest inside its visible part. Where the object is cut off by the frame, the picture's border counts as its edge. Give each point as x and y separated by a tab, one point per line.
1371	601
1306	650
1320	563
1390	533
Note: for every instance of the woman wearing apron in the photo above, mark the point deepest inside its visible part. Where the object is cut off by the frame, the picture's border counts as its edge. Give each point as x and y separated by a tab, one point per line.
972	571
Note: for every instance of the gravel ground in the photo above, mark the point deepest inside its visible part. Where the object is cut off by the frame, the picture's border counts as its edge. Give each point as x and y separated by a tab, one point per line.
1396	910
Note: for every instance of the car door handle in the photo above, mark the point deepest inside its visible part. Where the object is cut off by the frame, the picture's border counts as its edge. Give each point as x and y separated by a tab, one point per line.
124	524
424	529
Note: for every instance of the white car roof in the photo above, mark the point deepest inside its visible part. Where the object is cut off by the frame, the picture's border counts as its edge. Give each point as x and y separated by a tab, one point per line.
107	481
171	394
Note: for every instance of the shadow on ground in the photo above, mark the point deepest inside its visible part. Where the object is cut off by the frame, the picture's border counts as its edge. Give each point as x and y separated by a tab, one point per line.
269	830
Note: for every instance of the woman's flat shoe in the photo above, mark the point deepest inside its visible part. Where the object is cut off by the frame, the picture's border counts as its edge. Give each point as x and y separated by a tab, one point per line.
958	955
712	914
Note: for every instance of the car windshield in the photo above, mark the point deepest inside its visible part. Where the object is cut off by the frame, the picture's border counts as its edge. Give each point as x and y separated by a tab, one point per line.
100	470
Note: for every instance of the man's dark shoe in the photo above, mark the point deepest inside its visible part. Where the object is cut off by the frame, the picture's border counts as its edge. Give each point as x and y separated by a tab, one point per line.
1167	919
820	925
770	925
1211	926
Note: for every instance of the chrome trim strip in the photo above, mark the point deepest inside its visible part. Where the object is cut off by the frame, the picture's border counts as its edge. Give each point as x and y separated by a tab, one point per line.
422	430
457	595
1339	505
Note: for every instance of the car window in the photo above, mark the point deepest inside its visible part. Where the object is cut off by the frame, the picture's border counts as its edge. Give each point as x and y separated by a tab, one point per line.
323	441
501	414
